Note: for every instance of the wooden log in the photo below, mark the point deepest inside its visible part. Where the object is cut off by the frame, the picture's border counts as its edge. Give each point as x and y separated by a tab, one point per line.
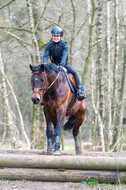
64	153
67	162
54	175
24	152
31	152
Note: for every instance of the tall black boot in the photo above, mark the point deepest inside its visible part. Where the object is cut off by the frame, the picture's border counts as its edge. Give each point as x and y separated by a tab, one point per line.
80	94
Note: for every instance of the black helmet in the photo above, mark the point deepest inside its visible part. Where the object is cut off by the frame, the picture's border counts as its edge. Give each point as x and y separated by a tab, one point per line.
57	31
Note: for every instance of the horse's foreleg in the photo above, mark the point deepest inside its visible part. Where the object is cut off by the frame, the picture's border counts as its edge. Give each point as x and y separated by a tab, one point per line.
49	132
58	132
49	137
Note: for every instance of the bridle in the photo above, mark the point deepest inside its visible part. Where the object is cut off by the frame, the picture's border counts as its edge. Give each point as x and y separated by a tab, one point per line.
46	87
36	90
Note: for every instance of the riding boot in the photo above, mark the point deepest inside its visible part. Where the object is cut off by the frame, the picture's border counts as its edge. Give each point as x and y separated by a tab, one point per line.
80	94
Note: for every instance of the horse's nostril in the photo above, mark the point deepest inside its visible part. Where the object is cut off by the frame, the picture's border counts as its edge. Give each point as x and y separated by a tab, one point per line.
35	100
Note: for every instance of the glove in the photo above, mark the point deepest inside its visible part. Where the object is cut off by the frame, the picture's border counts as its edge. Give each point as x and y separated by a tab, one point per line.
60	68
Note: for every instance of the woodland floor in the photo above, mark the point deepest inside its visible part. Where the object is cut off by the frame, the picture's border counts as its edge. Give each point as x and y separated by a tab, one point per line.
38	185
34	185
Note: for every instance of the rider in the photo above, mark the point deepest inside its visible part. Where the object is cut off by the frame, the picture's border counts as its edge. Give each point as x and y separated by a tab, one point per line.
57	50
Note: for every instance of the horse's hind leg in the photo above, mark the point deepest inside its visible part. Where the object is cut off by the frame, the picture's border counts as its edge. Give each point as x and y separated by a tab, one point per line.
79	121
77	143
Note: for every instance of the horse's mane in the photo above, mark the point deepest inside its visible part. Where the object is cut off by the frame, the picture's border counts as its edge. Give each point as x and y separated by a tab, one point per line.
51	67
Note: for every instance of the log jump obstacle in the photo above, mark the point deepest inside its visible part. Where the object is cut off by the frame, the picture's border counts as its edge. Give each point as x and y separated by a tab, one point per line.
16	166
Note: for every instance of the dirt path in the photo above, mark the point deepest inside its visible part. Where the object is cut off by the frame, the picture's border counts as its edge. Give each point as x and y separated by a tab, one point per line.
30	185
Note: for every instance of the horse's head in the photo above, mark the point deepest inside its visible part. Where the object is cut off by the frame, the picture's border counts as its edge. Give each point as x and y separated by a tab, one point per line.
39	82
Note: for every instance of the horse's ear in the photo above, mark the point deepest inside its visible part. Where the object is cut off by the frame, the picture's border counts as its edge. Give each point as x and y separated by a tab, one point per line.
42	67
31	67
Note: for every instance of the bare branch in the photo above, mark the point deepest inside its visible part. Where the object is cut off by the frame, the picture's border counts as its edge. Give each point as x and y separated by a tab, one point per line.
54	23
41	16
14	36
102	4
12	28
7	4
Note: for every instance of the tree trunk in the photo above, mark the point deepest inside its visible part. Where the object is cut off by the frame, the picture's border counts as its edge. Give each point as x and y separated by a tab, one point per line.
116	54
12	128
36	60
90	41
36	54
73	33
109	140
100	59
122	102
100	124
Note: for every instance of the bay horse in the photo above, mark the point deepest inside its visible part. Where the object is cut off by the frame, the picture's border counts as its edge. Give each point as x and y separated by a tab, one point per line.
50	85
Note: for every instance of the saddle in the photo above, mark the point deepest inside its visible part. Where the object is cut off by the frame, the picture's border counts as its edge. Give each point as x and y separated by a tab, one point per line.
72	83
71	78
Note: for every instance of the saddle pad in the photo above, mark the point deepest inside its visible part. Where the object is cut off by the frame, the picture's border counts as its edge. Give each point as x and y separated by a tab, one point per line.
70	83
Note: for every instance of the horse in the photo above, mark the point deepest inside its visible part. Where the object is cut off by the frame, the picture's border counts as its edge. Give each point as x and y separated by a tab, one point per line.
50	86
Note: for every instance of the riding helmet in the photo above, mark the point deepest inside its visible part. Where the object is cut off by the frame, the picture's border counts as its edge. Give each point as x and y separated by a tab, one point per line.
57	31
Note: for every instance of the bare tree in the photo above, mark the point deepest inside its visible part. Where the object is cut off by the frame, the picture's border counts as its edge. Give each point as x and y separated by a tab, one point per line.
36	54
100	58
12	128
109	141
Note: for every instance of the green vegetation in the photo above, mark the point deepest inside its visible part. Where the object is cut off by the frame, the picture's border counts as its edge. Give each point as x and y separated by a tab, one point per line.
91	182
4	182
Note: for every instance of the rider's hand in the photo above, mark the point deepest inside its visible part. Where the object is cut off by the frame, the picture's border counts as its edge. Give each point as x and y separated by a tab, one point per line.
60	68
44	63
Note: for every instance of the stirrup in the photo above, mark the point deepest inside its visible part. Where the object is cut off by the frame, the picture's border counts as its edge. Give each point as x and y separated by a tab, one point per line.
80	95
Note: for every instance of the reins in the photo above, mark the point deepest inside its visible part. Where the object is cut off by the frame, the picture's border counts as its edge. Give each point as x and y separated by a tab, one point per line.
53	81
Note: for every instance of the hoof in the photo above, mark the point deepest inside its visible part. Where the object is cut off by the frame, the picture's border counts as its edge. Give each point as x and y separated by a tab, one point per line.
78	151
57	153
49	152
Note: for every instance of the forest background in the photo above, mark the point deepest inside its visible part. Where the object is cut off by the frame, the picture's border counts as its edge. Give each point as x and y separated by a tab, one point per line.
95	31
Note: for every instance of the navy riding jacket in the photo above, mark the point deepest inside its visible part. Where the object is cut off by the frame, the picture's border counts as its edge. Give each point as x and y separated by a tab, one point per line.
58	53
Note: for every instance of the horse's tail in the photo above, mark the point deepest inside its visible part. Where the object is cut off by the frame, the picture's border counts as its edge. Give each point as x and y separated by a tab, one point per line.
70	123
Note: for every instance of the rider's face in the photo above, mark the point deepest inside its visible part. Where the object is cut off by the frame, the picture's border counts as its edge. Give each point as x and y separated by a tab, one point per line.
56	38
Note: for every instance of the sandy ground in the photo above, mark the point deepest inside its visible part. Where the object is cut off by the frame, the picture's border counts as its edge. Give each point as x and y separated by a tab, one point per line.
30	185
